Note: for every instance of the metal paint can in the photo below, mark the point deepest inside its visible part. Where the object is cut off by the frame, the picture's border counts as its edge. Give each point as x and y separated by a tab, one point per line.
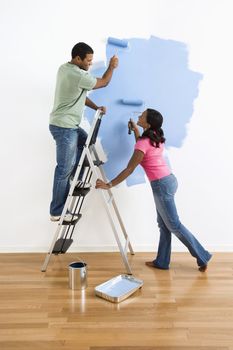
77	275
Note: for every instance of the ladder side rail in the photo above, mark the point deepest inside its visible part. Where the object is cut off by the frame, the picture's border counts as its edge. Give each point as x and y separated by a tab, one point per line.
69	231
72	203
79	202
70	194
95	132
97	116
77	211
67	203
60	226
123	227
78	198
63	231
114	204
75	203
105	200
126	245
69	198
48	256
96	119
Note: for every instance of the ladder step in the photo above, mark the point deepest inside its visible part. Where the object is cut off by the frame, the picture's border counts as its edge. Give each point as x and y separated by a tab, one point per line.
95	162
72	223
62	245
98	162
80	191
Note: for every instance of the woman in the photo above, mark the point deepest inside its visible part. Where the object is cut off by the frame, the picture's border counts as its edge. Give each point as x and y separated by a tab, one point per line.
149	153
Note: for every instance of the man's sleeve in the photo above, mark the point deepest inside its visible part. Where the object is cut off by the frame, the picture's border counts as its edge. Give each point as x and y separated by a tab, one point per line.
87	82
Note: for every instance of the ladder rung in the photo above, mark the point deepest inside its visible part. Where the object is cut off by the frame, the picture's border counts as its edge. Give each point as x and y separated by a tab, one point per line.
95	162
98	162
74	222
62	245
80	191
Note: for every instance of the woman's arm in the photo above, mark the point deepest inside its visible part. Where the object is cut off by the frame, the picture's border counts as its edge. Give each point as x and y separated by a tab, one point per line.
136	158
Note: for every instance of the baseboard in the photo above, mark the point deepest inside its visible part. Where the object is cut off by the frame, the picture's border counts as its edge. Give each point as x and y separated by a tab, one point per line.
107	248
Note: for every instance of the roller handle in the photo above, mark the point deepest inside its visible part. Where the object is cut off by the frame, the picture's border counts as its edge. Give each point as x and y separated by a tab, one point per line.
129	127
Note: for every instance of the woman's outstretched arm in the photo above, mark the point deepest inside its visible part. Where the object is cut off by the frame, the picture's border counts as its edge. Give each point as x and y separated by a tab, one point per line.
136	159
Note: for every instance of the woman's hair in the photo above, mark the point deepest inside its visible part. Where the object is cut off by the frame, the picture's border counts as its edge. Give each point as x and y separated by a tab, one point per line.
81	49
155	132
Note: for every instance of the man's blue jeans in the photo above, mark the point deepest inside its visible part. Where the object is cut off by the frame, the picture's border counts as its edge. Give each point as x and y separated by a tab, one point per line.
69	147
168	221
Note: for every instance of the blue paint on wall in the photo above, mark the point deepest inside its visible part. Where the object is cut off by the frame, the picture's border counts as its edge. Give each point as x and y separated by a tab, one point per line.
155	71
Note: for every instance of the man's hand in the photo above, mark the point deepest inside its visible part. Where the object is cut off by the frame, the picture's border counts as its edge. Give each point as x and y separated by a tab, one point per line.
107	76
101	184
102	109
113	63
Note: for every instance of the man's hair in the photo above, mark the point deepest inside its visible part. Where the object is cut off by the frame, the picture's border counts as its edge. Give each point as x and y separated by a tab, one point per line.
81	50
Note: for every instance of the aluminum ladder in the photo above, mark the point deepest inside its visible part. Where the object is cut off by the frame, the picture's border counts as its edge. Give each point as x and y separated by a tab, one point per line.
93	167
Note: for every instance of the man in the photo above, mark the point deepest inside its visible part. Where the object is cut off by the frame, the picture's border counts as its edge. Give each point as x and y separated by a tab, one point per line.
73	83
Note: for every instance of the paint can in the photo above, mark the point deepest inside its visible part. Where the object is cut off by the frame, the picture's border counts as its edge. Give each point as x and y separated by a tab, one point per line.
77	275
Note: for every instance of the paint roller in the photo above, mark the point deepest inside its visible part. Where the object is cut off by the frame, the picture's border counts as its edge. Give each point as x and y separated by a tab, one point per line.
118	42
131	102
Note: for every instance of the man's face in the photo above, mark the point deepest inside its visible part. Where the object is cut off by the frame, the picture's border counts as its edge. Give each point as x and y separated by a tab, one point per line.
86	62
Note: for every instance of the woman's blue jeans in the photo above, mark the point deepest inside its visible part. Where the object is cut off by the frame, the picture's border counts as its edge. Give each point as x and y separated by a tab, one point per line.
168	220
69	147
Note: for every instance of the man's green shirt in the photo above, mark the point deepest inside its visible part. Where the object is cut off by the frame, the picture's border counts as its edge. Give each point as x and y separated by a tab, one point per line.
70	95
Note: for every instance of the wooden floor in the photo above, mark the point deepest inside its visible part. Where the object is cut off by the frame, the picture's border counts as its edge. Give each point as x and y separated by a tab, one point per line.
177	309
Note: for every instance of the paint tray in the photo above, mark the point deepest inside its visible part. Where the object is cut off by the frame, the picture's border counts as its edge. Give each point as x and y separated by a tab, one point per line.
118	288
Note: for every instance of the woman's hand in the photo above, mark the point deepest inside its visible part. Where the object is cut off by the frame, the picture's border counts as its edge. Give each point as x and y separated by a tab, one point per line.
101	184
132	125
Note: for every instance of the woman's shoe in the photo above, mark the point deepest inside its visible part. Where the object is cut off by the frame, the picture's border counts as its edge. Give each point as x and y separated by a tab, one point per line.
151	264
203	268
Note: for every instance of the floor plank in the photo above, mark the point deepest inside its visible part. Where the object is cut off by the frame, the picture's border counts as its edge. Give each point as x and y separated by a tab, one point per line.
179	309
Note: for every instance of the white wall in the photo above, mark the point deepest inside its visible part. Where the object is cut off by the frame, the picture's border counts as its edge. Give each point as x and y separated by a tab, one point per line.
36	37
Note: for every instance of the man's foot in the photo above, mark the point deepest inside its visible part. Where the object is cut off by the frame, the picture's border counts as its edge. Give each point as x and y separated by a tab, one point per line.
203	268
81	185
68	217
151	264
55	218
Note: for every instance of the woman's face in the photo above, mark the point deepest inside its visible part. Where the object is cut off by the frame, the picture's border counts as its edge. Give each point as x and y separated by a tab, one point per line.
142	120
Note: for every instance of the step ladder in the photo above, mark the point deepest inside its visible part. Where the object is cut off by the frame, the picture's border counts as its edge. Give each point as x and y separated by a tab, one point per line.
63	236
